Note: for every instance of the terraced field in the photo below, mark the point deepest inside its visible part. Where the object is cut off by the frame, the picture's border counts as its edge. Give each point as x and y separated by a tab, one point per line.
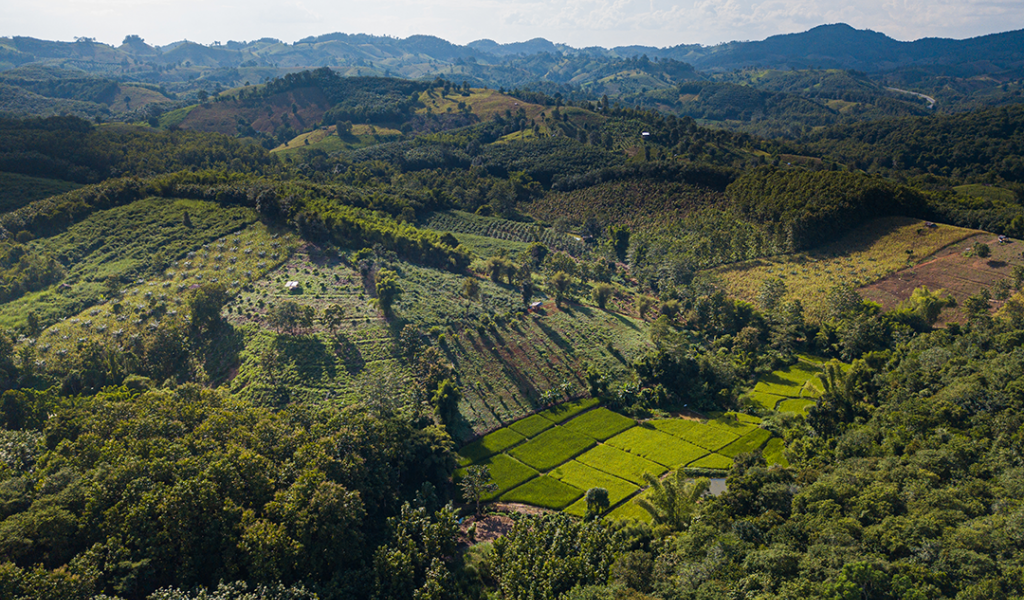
792	389
552	458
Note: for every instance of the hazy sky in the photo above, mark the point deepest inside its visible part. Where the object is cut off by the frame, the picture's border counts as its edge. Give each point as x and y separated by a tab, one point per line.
575	22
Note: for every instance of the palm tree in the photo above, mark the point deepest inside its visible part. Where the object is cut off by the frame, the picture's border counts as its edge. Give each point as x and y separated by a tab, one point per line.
672	501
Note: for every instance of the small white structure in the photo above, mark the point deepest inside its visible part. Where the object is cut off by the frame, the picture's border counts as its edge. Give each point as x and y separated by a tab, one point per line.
291	285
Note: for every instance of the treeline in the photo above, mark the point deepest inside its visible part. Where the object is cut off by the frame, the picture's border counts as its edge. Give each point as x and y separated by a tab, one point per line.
72	149
805	208
982	146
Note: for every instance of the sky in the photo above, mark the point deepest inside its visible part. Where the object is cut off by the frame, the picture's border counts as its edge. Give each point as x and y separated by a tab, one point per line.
578	23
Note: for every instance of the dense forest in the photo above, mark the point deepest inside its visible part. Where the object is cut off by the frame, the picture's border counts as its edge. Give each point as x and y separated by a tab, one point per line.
425	339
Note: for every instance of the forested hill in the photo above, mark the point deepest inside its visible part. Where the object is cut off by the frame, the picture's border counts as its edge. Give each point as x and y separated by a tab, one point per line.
889	78
329	337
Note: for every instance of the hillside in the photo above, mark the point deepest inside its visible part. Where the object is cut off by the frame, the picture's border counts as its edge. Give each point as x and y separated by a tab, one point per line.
319	335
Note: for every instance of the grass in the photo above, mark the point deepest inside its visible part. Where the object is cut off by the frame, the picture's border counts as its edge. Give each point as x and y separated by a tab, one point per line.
865	254
748	443
985	192
600	424
551	448
567	410
629	510
544	491
695	432
657	446
620	463
506	472
532	425
773	452
712	461
767	400
734	423
585	477
488	445
795	405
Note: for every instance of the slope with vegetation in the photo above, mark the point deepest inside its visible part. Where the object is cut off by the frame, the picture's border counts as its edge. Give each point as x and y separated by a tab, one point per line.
230	372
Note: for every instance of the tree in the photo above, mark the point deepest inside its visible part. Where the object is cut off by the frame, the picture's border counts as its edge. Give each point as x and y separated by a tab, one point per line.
927	304
471	288
643	304
981	250
290	315
476	483
673	501
334	316
559	283
770	294
205	305
602	292
619	238
388	290
597	501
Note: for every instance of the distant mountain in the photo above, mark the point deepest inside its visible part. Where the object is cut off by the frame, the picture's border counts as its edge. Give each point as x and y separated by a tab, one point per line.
843	47
958	74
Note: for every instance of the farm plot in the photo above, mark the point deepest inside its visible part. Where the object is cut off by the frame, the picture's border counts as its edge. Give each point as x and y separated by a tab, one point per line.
570	458
488	445
506	472
456	222
707	437
357	359
866	254
551	448
583	477
600	424
152	303
748	443
137	242
791	389
531	426
509	370
657	446
620	463
544	491
951	270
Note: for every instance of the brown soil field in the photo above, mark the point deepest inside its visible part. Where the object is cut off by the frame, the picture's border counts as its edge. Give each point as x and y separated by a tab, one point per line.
949	269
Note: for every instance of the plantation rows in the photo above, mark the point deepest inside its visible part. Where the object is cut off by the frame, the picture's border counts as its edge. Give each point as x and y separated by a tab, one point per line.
550	459
160	303
638	204
462	222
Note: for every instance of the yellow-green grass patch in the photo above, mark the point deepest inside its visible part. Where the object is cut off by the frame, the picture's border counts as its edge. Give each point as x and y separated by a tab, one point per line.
506	473
564	412
490	444
552	448
765	399
748	443
544	491
629	510
532	425
577	508
585	477
736	423
865	254
712	461
657	446
620	463
600	424
773	452
799	406
695	432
